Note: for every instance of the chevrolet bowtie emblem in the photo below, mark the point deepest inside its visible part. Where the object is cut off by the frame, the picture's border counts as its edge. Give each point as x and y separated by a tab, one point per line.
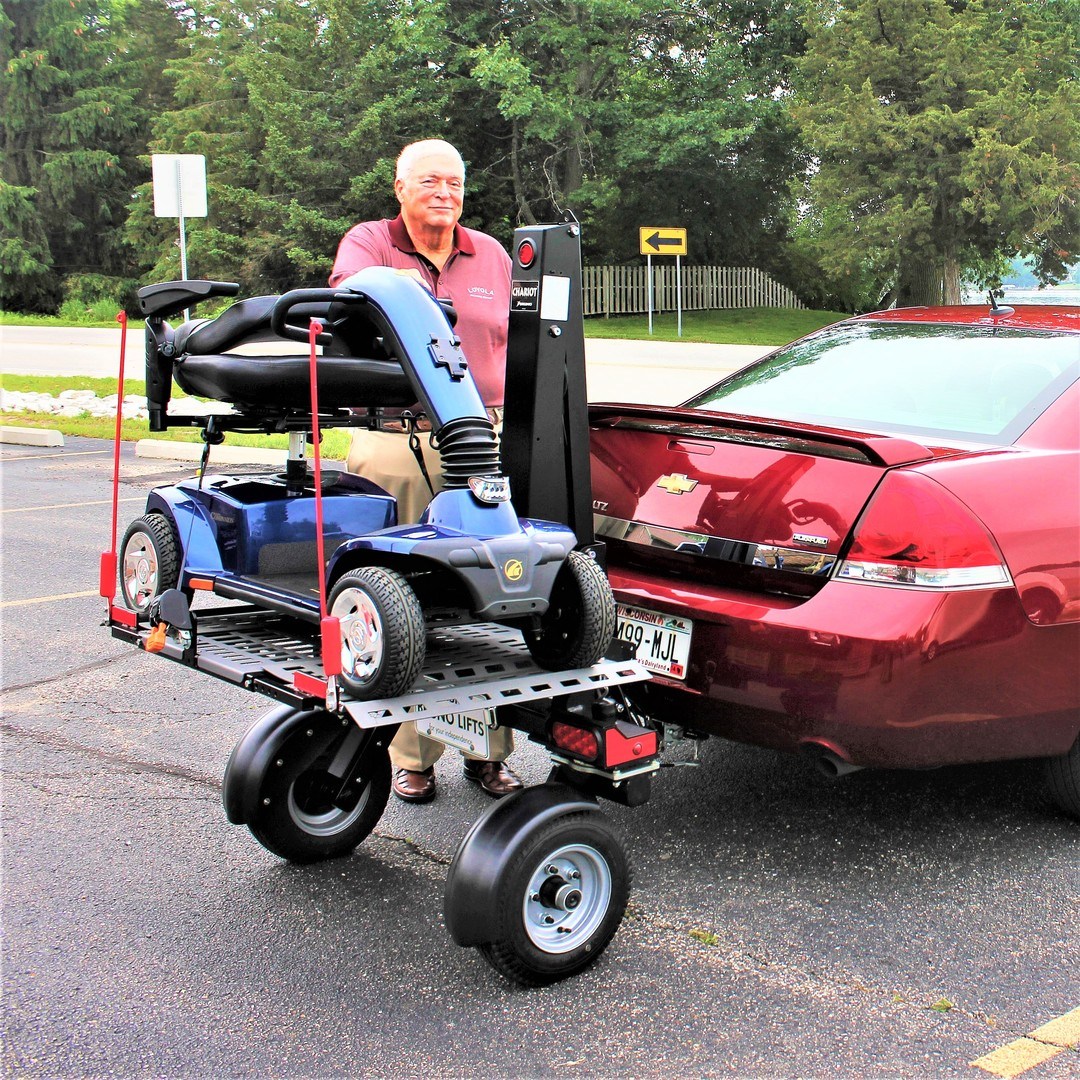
676	483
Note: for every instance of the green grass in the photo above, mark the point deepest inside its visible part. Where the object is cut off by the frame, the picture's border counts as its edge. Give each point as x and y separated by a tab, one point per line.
14	318
335	443
731	326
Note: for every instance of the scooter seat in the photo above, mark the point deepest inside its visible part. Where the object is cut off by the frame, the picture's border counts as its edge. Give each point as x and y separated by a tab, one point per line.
245	321
284	382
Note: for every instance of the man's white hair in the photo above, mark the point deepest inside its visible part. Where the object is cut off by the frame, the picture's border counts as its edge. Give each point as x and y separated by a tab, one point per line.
412	153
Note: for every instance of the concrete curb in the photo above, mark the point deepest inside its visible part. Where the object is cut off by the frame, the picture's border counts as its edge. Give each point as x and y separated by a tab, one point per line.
24	436
222	455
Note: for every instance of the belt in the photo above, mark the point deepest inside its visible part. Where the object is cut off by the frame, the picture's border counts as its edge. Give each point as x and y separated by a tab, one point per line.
402	424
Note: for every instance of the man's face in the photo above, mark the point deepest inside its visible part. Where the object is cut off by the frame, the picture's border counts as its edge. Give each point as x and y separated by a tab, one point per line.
431	195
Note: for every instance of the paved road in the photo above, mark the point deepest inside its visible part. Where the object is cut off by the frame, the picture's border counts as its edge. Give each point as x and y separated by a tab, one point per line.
637	371
781	926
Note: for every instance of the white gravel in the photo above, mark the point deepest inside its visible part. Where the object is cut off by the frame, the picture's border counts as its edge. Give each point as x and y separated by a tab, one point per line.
86	402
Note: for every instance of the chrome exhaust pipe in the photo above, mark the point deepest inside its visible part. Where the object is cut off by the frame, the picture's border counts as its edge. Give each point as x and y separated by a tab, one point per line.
830	764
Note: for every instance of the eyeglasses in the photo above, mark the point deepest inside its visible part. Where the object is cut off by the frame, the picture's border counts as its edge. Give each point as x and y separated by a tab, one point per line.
434	183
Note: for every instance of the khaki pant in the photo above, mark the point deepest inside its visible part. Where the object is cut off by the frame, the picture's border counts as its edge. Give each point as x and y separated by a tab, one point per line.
385	458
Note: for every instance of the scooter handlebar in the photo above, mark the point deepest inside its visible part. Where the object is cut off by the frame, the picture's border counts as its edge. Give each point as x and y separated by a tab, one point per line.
295	298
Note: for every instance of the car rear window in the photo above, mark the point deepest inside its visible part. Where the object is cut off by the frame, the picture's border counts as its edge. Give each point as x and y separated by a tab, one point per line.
975	383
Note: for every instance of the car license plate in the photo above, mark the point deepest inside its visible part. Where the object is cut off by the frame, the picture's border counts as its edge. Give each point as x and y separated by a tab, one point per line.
661	642
467	732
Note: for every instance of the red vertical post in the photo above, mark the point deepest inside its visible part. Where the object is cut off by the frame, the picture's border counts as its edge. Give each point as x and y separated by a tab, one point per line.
330	627
107	570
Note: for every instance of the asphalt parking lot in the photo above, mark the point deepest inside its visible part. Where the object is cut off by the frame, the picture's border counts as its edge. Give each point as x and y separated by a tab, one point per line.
892	924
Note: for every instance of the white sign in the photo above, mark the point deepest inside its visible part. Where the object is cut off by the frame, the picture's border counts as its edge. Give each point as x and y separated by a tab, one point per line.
555	298
179	185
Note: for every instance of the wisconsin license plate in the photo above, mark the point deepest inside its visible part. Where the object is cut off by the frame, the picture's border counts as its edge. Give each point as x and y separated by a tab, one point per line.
661	642
467	732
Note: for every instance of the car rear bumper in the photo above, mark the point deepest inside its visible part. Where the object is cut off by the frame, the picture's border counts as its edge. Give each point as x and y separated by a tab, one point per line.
878	675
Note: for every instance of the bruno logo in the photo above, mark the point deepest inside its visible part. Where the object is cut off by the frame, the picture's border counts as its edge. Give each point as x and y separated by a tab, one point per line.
513	570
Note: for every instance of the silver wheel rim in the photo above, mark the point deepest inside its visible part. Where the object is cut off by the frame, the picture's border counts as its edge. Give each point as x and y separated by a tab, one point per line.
328	822
140	570
362	640
568	895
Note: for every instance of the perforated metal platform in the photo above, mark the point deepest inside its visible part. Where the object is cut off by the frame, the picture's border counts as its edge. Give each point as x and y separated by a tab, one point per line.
468	668
482	666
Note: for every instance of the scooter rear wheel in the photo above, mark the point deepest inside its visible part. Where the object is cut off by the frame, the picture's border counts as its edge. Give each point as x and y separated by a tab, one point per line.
383	642
579	623
149	560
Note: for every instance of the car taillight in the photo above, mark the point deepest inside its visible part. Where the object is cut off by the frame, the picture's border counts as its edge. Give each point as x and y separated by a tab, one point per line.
914	532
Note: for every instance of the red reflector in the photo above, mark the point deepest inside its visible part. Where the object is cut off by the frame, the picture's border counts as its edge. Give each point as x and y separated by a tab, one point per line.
625	743
526	253
575	740
201	583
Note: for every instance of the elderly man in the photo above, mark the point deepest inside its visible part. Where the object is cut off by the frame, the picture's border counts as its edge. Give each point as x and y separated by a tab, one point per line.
472	271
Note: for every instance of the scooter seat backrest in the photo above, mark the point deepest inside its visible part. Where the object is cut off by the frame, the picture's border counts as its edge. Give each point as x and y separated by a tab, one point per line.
284	382
246	320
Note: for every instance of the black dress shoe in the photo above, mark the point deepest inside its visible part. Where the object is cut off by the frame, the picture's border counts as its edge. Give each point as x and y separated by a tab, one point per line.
414	786
495	777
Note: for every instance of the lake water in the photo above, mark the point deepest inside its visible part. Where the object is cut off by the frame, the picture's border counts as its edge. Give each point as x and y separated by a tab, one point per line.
1029	296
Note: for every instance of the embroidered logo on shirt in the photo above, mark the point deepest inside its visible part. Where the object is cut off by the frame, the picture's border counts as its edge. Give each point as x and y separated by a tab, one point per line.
482	293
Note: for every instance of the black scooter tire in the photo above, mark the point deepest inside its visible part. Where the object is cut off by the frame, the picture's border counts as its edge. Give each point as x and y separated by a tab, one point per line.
383	634
577	628
149	561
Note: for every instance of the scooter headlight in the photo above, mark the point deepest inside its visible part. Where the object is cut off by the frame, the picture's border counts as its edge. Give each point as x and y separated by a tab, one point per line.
490	489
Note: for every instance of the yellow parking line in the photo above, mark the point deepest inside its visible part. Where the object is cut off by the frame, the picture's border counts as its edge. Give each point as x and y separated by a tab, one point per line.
1016	1058
38	457
1042	1044
48	599
69	506
1064	1031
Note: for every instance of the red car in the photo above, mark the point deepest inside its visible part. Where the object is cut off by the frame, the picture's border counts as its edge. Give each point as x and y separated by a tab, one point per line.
866	545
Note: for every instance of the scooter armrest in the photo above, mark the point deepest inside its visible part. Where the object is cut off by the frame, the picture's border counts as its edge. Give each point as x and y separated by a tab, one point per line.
171	297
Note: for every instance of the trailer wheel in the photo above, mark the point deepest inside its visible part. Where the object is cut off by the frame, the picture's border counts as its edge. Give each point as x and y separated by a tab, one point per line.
322	792
560	899
383	640
579	623
149	560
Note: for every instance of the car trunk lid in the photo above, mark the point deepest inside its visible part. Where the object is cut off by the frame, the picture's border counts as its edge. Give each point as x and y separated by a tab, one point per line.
739	501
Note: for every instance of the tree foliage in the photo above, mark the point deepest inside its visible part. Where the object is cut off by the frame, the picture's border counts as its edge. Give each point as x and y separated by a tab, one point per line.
937	134
73	120
945	136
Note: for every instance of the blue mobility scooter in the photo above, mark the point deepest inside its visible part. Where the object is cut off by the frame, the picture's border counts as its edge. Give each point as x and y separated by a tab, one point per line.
315	596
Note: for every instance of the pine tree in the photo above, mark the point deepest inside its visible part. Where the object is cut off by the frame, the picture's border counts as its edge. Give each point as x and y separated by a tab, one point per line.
67	132
946	138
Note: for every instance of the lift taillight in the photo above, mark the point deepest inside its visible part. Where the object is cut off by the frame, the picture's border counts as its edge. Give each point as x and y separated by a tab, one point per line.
574	740
609	745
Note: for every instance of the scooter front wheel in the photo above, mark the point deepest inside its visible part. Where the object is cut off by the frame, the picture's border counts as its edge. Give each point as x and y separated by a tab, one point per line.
383	642
579	623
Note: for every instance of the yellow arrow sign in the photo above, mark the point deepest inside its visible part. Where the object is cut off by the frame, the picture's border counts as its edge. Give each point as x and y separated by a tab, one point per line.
657	241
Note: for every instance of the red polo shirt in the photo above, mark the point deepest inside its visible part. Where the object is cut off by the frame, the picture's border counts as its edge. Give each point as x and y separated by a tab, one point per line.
475	279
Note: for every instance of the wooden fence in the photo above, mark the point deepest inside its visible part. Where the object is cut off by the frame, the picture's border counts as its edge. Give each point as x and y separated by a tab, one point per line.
623	290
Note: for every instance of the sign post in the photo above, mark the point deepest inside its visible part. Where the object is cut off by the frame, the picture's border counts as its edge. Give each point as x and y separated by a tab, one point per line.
179	192
654	240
